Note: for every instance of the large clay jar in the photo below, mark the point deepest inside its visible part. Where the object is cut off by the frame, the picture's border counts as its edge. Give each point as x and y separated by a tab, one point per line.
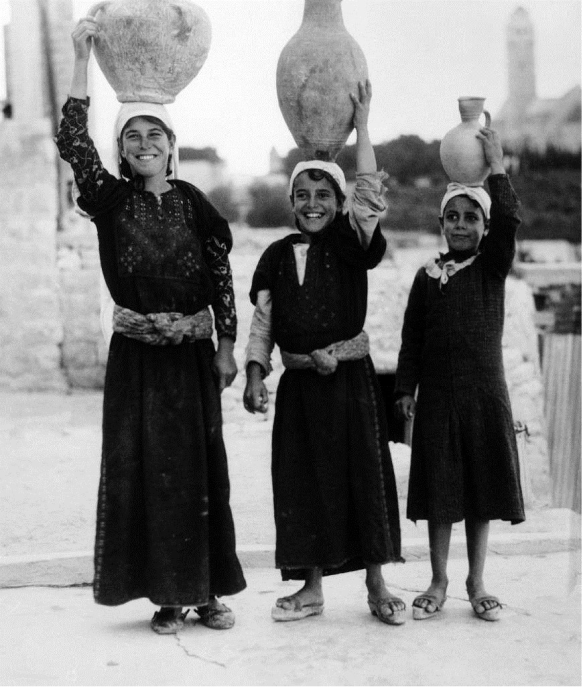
149	50
461	151
317	70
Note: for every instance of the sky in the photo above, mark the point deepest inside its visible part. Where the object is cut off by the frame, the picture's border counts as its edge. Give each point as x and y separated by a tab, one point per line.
422	55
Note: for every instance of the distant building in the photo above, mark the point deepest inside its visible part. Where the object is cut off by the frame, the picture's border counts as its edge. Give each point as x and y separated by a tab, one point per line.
276	175
203	168
526	121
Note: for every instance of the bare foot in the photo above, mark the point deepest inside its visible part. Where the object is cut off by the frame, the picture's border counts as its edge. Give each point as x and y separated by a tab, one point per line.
378	591
431	601
304	597
484	605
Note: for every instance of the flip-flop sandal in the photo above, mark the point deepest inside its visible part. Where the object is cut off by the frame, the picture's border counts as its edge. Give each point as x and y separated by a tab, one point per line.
167	621
298	612
420	613
217	617
383	610
490	614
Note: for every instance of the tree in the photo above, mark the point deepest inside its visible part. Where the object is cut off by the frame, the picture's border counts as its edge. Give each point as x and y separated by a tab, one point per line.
405	159
270	206
222	198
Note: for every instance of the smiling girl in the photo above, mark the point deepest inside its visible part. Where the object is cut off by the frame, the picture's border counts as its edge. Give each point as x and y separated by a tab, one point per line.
335	501
164	524
464	463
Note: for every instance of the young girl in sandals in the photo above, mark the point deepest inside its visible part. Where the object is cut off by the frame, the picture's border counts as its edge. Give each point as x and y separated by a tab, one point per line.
335	502
464	463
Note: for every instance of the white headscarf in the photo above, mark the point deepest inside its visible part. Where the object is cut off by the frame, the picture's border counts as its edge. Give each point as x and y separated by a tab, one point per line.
333	169
137	109
476	193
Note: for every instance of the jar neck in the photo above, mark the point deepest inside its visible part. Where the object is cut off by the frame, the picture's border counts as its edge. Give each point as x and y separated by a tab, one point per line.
471	108
323	13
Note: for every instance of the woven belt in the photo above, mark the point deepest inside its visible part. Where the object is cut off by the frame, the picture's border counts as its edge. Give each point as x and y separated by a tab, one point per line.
164	328
325	360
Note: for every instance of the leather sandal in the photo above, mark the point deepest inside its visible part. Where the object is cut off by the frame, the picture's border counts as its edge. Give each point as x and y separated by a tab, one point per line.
216	615
384	610
490	614
420	612
168	620
298	610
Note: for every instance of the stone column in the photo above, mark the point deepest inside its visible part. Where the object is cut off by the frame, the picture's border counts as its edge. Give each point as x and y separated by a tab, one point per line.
31	328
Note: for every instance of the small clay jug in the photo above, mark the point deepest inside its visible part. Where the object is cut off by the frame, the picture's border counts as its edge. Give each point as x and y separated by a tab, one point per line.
149	50
317	70
461	151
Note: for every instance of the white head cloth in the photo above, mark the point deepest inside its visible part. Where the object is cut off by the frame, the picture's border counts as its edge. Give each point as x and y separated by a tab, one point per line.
137	109
476	193
333	169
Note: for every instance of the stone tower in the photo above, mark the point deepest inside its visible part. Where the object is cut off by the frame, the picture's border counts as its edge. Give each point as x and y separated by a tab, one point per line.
521	67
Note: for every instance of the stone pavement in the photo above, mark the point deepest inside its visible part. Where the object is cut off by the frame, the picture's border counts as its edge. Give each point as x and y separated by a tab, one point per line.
57	635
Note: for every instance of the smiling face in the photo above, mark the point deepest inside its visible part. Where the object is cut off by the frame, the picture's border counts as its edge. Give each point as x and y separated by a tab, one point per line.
314	203
146	147
463	224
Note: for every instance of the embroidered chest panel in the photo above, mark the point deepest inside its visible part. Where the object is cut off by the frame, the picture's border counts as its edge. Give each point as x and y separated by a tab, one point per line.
155	238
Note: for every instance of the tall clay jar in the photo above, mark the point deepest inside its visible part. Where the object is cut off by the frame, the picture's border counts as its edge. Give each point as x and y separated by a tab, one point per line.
149	50
461	151
317	70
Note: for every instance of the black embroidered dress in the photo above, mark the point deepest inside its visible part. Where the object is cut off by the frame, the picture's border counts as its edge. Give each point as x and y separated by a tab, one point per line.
464	455
164	524
334	489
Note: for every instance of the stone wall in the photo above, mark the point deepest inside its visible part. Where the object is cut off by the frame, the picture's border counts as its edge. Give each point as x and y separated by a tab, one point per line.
83	349
32	330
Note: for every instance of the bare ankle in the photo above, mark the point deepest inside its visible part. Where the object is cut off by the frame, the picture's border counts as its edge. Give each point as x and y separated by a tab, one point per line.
439	581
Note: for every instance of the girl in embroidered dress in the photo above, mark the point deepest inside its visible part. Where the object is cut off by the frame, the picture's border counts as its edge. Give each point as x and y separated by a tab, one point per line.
335	501
164	525
464	463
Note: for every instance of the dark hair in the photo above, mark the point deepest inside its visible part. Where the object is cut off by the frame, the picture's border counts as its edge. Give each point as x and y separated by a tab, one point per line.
317	175
124	166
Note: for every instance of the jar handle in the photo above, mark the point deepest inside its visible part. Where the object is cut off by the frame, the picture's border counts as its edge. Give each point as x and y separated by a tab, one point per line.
487	118
186	19
97	8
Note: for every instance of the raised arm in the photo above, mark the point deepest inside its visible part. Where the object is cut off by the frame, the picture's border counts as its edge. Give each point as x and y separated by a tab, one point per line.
97	187
82	37
367	202
365	156
499	245
492	149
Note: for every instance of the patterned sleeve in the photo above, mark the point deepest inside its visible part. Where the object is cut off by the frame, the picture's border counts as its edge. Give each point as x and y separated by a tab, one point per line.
77	148
216	254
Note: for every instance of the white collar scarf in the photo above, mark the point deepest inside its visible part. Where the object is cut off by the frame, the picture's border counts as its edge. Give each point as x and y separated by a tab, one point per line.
443	271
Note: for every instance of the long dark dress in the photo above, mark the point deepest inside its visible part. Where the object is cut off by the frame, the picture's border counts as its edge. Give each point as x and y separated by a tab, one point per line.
164	524
464	456
334	489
